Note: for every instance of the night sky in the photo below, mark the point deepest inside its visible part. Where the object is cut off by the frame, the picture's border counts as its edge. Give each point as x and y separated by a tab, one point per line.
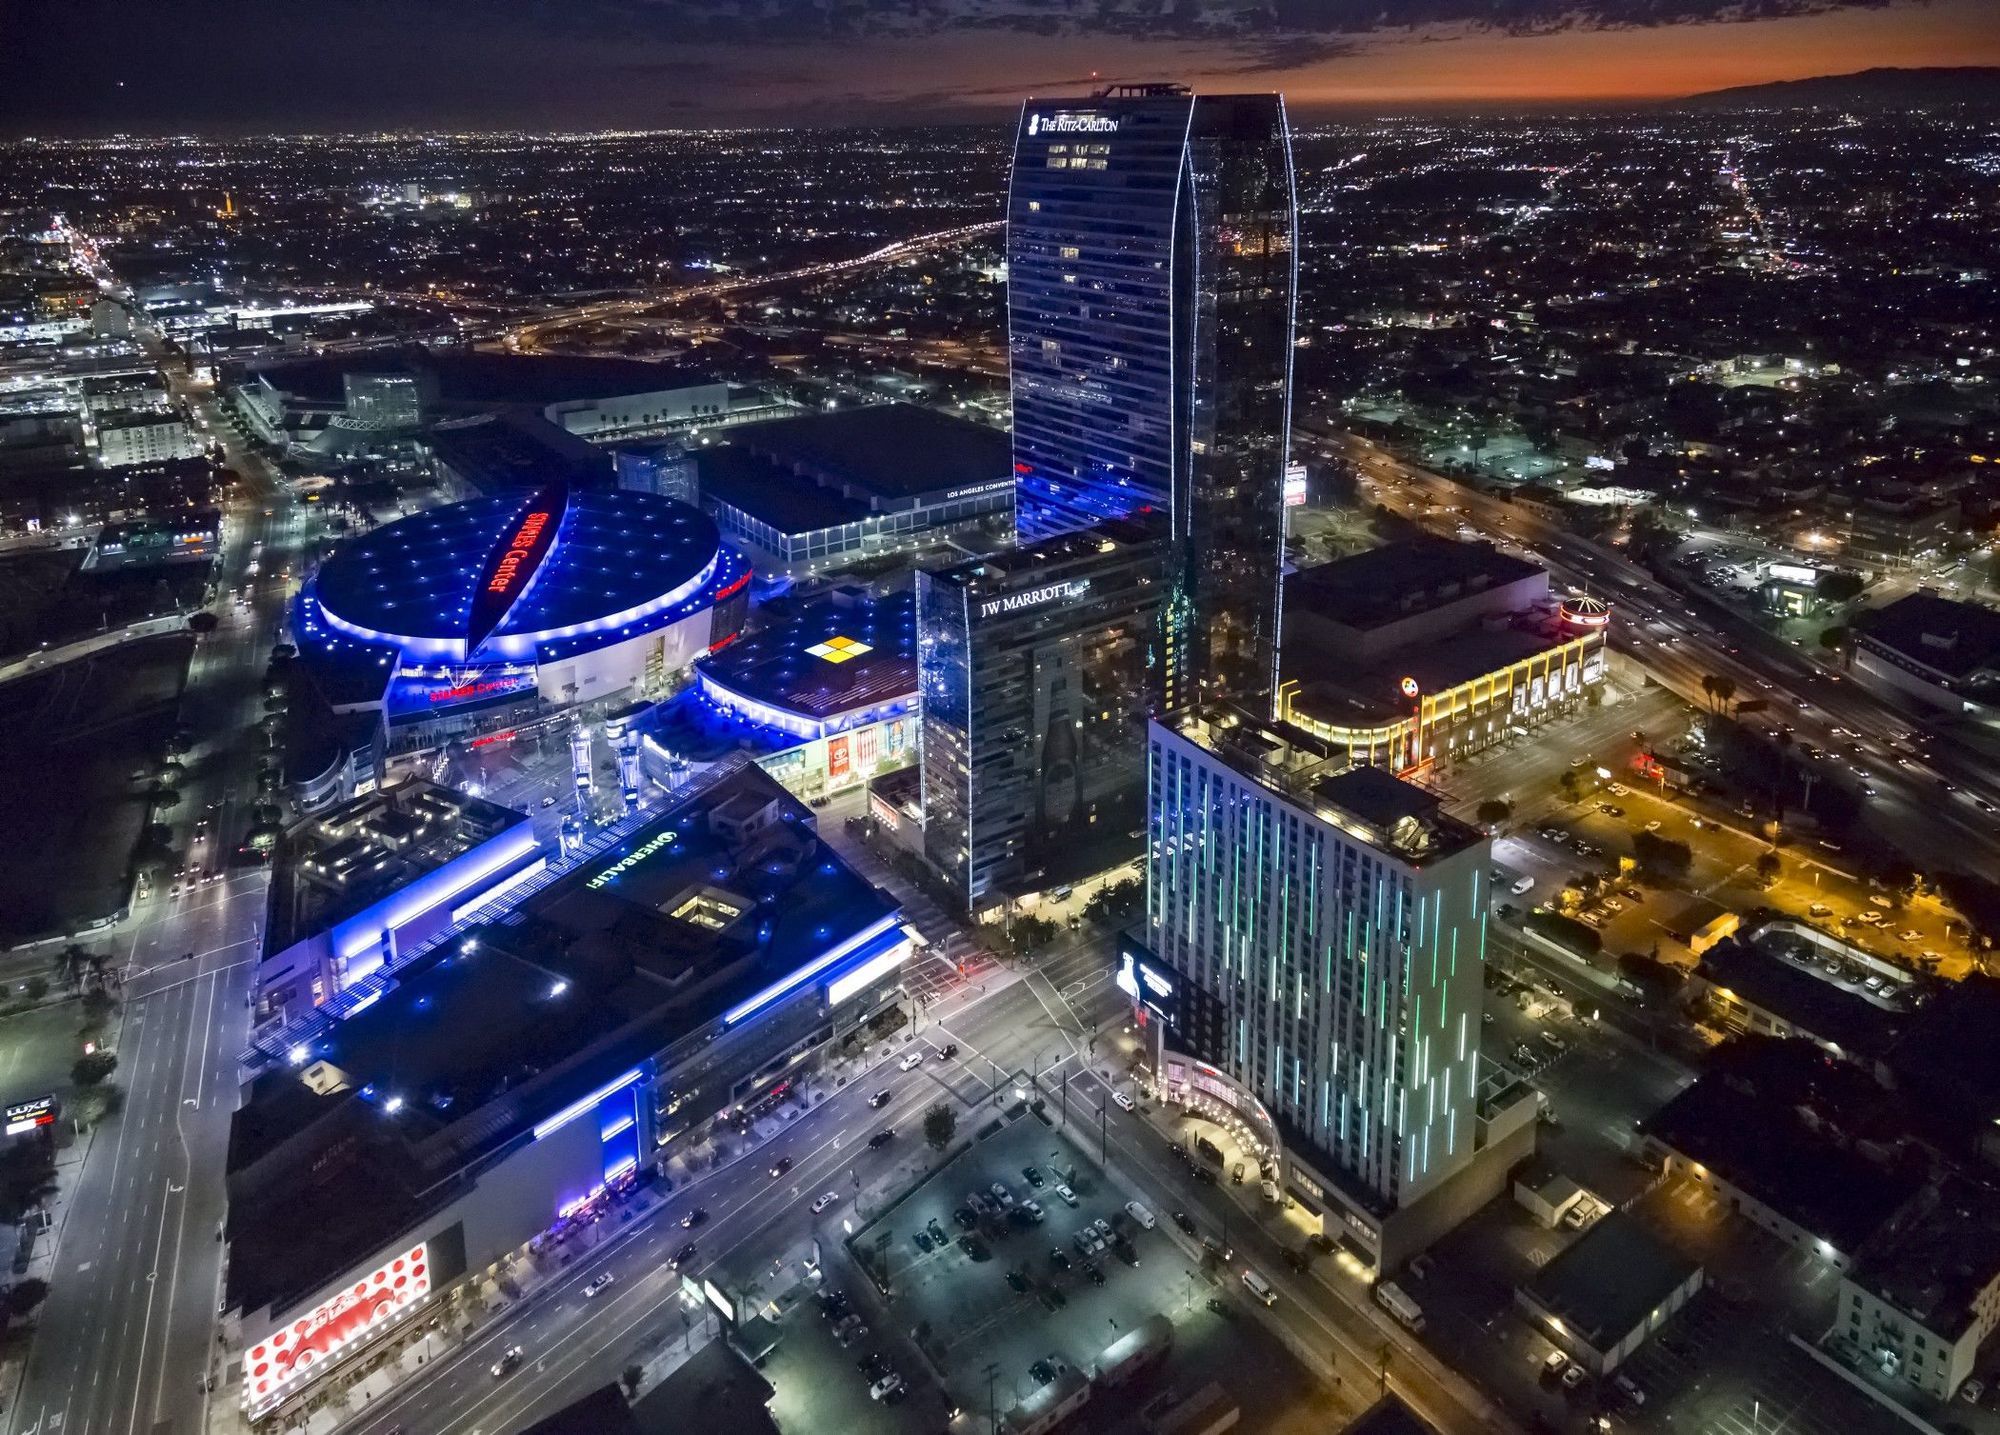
99	66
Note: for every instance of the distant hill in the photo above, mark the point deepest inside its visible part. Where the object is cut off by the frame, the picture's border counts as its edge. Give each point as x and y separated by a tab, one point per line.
1868	89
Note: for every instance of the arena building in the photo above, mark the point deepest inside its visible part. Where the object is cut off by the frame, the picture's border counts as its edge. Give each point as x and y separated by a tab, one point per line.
824	700
455	620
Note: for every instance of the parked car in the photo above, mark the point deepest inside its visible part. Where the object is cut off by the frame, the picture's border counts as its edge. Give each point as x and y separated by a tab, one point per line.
1065	1195
1033	1177
1554	1365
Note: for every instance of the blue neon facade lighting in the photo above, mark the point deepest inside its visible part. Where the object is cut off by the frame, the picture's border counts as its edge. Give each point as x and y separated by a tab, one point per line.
851	947
577	1108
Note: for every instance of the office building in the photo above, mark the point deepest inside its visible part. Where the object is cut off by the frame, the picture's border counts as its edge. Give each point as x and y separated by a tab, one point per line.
1033	669
1924	1294
1313	958
1152	264
142	438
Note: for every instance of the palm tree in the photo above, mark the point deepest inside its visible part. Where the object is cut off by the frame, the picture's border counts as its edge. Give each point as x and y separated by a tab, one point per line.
1721	691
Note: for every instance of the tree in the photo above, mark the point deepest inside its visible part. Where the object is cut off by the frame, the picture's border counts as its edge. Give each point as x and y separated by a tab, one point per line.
1835	637
93	1068
72	966
1838	586
24	1296
1494	811
203	622
1571	785
1661	857
35	988
940	1125
1769	865
1721	691
630	1378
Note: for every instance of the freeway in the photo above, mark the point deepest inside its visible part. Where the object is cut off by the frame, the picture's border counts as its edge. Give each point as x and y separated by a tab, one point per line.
574	1342
1933	796
534	333
124	1340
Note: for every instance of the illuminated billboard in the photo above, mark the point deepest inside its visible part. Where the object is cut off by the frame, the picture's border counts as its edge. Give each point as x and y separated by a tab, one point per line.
1144	980
283	1360
511	566
24	1116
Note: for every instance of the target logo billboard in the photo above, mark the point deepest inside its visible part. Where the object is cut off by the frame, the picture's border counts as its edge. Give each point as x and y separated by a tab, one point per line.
288	1356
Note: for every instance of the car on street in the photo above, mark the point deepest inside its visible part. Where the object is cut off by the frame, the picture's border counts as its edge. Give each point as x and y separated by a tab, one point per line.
780	1166
1184	1221
1654	825
881	1138
823	1200
1610	809
681	1257
948	1051
1123	1100
694	1218
879	1100
910	1062
598	1284
510	1362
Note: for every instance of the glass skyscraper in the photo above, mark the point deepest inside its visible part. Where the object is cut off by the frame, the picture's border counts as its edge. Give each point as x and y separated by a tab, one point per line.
1033	671
1152	265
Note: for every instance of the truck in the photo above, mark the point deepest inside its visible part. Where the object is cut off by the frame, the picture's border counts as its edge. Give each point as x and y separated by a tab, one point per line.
1394	1299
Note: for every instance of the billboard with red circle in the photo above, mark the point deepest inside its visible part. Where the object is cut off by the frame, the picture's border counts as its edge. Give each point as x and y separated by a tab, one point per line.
290	1355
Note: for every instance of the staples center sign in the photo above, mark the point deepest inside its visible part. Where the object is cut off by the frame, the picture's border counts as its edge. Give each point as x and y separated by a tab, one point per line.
1065	123
285	1359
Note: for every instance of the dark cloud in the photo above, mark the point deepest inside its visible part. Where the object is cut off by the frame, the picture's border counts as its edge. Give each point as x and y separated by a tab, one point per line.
95	65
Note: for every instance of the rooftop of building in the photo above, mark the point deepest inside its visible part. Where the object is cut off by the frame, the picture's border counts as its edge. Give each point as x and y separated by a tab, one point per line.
500	451
1610	1280
837	655
1370	803
1799	995
714	1389
1960	640
893	451
1935	1261
613	553
1790	1126
1947	1057
1413	575
772	494
695	918
1025	566
465	376
354	854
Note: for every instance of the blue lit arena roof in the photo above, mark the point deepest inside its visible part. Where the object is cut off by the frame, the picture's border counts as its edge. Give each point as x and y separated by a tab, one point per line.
524	574
834	664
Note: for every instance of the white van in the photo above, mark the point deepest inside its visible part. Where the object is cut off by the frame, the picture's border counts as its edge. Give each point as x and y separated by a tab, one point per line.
1523	885
1140	1214
1260	1288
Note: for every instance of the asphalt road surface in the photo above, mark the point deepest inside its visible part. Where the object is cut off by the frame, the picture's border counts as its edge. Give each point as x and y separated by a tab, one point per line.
122	1344
574	1343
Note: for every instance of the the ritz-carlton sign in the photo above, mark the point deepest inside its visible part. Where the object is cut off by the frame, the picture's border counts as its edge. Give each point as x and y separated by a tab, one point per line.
1072	124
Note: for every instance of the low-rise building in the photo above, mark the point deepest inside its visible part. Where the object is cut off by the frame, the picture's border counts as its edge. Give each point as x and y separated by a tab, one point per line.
1792	1140
136	438
811	493
1938	650
1429	649
1612	1288
1925	1292
1754	990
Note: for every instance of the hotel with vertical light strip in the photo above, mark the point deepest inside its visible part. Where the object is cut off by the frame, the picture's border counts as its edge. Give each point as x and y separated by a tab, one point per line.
1314	958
